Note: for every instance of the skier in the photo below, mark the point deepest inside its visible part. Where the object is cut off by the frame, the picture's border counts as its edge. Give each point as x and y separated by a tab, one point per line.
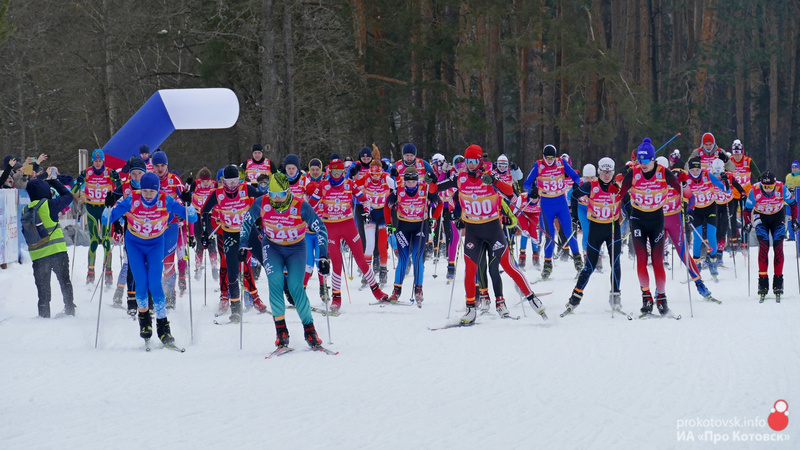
201	190
284	219
480	211
376	186
709	151
229	203
703	219
49	252
792	183
723	200
314	175
257	165
547	179
580	209
96	182
529	225
764	209
148	212
602	214
144	155
648	184
745	169
410	160
412	202
336	196
173	186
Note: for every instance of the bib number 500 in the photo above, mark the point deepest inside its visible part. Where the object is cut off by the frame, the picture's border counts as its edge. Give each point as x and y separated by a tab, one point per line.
476	208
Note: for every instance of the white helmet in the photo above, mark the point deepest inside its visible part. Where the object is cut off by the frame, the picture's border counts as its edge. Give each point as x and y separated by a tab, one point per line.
663	162
438	158
502	159
717	166
589	170
606	164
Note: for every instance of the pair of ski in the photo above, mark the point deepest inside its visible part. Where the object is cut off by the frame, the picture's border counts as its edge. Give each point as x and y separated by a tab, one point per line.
468	324
617	313
280	351
395	303
762	298
170	346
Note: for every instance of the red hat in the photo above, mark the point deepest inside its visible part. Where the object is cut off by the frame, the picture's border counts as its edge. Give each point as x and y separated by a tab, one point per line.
473	152
336	164
708	138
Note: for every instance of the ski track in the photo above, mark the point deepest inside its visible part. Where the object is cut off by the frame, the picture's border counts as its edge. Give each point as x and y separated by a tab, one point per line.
582	381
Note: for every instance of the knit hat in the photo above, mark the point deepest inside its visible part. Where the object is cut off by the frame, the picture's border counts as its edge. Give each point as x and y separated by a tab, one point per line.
37	189
336	164
662	161
98	154
261	178
589	170
204	174
736	147
315	162
694	163
795	164
159	157
280	183
708	138
144	149
645	152
137	163
549	150
502	159
149	181
291	159
365	151
410	148
258	148
230	171
410	174
473	152
767	177
675	155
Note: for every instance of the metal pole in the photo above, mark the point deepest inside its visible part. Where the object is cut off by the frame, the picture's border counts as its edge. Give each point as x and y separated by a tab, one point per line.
100	301
686	264
189	276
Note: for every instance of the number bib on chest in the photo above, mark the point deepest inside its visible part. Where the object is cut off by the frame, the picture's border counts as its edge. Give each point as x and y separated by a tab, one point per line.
376	193
673	203
602	206
283	228
97	186
768	205
412	209
703	190
479	202
144	222
200	195
550	179
337	202
648	195
253	170
231	210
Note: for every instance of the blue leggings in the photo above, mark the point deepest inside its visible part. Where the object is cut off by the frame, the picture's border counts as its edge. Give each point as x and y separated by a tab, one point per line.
146	263
704	216
169	263
276	258
584	226
556	208
410	243
312	251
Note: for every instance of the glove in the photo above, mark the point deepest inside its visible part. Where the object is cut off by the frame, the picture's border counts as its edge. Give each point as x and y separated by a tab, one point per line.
117	227
242	255
430	177
189	181
324	267
576	225
724	176
459	223
191	242
310	188
111	198
204	240
487	178
513	166
393	172
390	229
795	225
748	226
689	218
683	177
186	197
533	194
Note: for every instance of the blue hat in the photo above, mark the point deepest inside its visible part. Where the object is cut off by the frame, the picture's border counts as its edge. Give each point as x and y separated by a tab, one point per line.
291	159
136	163
159	157
98	154
795	164
410	148
37	189
144	149
645	152
149	181
365	151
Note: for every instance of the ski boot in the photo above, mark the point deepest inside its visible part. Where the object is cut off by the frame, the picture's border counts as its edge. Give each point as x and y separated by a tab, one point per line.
661	303
162	327
215	273
258	304
281	334
536	304
699	263
578	261
615	302
336	301
564	254
574	301
502	309
323	293
451	272
198	272
69	309
376	265
145	325
485	300
170	299
711	262
118	296
702	289
418	298
311	337
469	317
428	251
181	285
383	275
236	310
378	293
547	269
90	275
363	282
398	289
535	259
109	278
647	303
522	258
223	303
763	287
777	287
132	305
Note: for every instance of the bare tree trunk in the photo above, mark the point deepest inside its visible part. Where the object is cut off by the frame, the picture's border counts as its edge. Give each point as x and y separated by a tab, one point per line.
112	109
772	148
288	45
361	33
269	79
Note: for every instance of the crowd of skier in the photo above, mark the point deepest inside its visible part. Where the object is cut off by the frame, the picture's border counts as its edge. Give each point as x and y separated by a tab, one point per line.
292	217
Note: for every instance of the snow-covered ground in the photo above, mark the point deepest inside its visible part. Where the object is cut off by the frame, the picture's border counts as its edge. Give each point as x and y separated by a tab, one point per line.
584	381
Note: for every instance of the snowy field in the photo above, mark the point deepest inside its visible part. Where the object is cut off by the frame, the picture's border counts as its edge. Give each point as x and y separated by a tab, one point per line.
584	381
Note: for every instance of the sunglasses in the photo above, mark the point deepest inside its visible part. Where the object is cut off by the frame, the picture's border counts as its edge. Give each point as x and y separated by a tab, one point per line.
473	161
645	161
277	194
607	172
768	186
337	172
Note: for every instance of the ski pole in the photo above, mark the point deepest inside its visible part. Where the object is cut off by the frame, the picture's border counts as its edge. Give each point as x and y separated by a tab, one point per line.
705	242
351	263
346	285
205	277
746	239
100	301
437	241
686	264
613	278
797	263
189	276
74	247
325	300
455	266
665	143
241	307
